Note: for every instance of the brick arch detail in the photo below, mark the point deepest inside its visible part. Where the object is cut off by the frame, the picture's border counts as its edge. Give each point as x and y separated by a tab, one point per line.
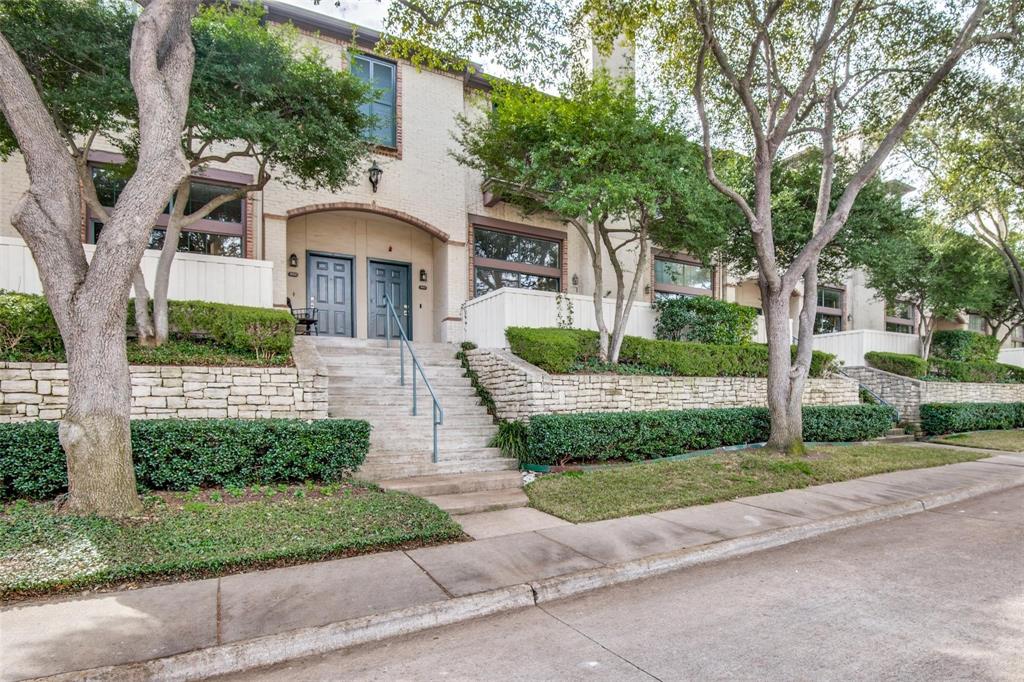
370	208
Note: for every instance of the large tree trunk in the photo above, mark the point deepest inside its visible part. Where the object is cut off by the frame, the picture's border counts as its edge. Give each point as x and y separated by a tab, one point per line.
95	431
786	433
143	320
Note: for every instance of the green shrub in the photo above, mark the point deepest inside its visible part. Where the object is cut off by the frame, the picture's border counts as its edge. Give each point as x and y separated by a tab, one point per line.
265	332
979	371
939	418
705	320
511	438
964	346
28	330
553	350
637	436
177	454
560	351
897	363
27	327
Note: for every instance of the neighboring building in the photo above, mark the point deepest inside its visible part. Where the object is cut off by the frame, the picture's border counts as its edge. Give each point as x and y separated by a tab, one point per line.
427	230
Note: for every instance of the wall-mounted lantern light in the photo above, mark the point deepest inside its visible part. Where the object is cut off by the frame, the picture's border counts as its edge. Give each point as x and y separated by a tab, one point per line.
575	280
293	261
423	275
375	173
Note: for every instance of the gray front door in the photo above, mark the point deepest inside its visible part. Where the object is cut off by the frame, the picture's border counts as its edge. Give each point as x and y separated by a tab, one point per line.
330	291
392	278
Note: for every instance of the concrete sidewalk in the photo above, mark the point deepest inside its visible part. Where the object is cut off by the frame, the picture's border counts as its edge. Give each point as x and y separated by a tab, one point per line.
237	622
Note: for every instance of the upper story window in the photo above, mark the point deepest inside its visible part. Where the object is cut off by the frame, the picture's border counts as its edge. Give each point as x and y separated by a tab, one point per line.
382	78
899	317
976	323
676	278
1017	337
505	258
221	233
829	317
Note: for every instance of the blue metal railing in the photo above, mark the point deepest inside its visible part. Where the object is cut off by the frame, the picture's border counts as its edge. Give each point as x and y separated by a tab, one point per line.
870	392
437	412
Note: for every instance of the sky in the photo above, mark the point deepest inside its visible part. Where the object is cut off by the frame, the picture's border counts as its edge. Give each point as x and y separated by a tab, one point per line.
368	13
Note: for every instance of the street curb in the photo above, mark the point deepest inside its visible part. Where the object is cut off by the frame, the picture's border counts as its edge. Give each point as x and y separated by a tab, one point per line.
272	649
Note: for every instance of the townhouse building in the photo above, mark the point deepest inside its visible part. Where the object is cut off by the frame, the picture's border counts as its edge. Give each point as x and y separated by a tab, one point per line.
458	264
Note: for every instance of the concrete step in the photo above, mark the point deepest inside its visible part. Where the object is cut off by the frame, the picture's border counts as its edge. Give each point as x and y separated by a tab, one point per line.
445	352
455	484
424	454
371	412
472	503
374	472
361	390
384	363
902	438
392	442
345	342
439	382
477	417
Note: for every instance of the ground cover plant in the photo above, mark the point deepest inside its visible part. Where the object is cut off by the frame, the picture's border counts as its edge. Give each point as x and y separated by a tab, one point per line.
206	533
580	496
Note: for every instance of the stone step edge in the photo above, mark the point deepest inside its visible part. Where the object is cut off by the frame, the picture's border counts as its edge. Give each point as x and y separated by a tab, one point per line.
278	648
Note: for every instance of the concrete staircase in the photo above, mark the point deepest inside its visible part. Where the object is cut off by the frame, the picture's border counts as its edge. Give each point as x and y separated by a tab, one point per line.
469	476
898	435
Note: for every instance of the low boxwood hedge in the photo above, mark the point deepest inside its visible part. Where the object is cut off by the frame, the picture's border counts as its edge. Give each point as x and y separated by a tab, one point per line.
637	436
28	330
940	418
977	371
964	346
559	351
897	363
181	454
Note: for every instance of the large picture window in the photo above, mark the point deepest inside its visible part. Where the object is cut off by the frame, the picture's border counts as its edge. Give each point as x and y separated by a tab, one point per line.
976	323
221	233
380	75
503	258
829	317
899	317
676	278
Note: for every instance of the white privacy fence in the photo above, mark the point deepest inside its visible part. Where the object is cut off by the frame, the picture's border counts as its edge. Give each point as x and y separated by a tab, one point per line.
193	276
1012	356
850	347
487	317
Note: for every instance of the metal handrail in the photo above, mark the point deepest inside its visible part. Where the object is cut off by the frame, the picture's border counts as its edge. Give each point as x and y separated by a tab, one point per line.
880	399
437	410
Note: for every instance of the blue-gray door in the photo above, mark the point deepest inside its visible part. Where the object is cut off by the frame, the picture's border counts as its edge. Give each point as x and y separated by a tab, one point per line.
330	291
392	278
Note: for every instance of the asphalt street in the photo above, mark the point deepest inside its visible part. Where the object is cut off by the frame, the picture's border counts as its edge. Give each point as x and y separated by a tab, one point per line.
934	596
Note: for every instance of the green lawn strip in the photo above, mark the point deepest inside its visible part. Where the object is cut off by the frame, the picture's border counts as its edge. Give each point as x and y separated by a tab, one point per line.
42	551
172	352
1011	440
646	488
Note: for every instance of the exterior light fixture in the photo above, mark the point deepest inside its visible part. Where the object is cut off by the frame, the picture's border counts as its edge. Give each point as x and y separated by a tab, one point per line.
423	275
293	261
575	280
375	173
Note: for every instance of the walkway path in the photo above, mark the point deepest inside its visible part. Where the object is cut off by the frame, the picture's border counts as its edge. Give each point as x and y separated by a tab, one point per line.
381	595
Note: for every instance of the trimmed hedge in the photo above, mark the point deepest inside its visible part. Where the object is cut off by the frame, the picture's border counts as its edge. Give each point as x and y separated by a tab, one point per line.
940	418
560	351
181	454
964	346
897	363
978	371
637	436
704	320
27	327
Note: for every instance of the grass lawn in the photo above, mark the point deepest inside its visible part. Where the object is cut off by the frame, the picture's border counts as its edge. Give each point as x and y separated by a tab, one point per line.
1012	439
200	534
645	488
173	352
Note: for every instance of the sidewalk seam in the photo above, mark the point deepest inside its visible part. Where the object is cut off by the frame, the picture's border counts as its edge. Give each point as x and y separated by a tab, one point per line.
427	573
280	647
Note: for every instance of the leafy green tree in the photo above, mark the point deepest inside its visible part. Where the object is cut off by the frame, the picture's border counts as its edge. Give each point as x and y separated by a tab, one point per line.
604	163
993	295
255	97
772	78
88	299
934	269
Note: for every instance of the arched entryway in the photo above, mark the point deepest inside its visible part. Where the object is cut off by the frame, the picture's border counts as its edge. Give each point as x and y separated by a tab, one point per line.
343	257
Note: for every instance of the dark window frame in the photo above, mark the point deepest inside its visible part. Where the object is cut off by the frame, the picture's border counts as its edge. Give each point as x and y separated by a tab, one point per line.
392	145
829	311
678	289
526	231
893	320
204	225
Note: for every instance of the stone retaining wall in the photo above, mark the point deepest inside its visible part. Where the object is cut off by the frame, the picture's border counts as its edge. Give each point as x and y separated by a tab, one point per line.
907	394
39	390
521	390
